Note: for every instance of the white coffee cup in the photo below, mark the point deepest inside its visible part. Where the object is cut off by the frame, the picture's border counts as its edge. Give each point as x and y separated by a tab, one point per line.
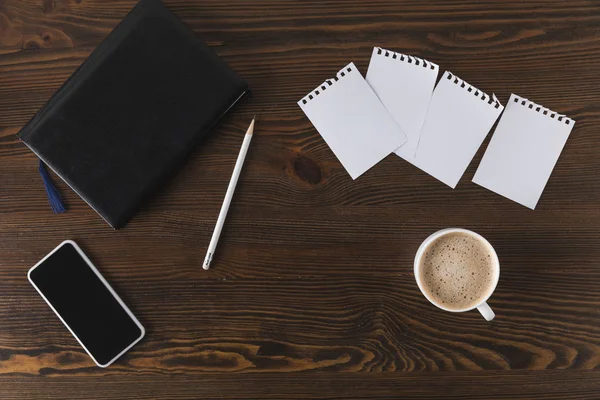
483	307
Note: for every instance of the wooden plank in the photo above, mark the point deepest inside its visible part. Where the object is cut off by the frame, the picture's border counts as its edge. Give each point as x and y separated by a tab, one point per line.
361	322
489	385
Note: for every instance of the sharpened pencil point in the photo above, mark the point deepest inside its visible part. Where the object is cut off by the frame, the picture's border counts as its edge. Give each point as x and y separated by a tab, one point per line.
250	130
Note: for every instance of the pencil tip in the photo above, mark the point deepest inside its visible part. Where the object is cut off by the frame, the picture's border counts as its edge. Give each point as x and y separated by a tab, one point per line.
251	127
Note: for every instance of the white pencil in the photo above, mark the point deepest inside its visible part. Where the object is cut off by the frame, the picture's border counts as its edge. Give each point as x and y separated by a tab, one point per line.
225	207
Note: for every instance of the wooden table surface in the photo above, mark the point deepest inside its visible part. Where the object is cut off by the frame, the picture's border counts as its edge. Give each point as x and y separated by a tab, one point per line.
312	293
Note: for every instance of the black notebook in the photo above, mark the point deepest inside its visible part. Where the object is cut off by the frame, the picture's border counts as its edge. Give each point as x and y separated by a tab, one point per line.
133	111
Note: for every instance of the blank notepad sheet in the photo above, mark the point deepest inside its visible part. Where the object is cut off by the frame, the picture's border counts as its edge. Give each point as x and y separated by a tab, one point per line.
352	121
523	151
459	117
404	85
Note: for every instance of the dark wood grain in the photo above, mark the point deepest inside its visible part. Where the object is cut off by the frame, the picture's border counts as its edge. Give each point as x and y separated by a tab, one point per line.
312	293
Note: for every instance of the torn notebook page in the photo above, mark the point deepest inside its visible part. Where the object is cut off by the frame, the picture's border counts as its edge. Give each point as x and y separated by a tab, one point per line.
523	151
404	85
352	121
459	117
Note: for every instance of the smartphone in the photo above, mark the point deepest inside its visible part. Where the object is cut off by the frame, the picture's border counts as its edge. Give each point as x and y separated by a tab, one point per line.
87	305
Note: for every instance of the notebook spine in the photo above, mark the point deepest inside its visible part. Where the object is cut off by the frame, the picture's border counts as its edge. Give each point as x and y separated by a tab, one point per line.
540	109
491	100
416	61
348	69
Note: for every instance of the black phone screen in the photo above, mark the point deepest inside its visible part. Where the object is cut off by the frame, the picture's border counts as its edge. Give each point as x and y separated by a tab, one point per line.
85	304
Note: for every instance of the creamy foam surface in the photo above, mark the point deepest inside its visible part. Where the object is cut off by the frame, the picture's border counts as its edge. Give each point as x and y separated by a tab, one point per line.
457	270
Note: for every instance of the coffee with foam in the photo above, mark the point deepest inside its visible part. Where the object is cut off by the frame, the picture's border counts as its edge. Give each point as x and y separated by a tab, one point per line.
457	271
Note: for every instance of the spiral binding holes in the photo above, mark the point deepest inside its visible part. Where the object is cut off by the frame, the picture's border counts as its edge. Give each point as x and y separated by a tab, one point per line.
329	82
478	93
405	58
540	109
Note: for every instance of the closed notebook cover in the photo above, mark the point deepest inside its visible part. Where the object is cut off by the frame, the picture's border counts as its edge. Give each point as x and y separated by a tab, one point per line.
132	112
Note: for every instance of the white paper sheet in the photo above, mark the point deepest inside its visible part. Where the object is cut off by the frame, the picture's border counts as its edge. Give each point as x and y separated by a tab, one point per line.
523	151
459	117
404	85
352	121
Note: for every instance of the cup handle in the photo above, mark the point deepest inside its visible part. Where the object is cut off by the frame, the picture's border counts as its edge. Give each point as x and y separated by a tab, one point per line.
486	312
